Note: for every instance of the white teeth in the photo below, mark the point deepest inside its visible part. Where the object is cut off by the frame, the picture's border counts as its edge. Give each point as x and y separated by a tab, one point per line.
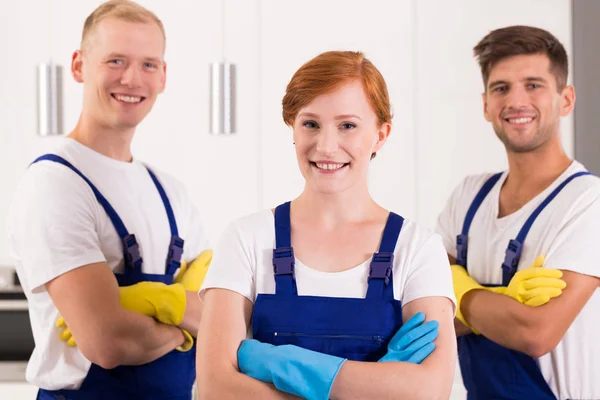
328	166
520	120
128	99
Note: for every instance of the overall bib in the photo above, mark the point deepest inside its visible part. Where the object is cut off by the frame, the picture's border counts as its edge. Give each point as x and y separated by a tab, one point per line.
353	328
169	377
489	370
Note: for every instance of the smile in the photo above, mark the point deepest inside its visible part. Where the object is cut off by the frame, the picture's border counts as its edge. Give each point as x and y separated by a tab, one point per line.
127	99
519	121
329	166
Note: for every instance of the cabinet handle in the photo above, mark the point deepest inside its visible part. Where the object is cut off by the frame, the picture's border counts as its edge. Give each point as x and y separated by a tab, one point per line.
49	99
222	98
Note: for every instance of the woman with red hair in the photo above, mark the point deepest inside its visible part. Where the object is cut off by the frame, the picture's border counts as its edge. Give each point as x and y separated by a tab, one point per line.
325	281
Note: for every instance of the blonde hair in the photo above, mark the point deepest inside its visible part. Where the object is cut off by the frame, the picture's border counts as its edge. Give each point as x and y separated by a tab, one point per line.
125	10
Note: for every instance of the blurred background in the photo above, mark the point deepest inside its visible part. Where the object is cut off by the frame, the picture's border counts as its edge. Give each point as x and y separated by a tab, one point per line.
422	47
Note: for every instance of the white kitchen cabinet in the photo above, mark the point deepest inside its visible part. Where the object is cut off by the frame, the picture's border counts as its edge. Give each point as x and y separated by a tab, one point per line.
452	137
17	391
290	36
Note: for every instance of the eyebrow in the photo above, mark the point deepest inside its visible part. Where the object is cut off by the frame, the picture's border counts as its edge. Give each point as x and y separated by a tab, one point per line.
119	55
343	116
528	79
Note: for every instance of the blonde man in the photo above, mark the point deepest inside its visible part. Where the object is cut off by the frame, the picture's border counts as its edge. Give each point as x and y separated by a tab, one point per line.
98	237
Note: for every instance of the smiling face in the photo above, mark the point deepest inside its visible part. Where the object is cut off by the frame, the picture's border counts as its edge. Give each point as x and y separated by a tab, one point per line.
123	71
523	103
335	135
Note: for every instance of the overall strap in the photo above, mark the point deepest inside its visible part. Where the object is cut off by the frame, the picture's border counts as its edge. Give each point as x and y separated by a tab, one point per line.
381	284
462	240
283	254
131	249
176	245
515	246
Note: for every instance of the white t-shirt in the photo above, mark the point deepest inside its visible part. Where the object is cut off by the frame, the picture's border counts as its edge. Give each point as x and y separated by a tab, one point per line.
568	233
242	262
55	225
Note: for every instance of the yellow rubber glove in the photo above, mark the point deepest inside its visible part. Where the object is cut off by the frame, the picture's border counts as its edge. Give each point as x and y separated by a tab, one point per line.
188	344
65	335
166	303
192	276
463	284
534	286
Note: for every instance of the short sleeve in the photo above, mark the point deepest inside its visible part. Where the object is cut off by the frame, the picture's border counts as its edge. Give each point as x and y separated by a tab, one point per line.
51	225
429	273
447	226
196	240
575	247
232	266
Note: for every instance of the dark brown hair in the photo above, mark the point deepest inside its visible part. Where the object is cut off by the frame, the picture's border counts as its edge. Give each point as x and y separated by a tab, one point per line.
522	40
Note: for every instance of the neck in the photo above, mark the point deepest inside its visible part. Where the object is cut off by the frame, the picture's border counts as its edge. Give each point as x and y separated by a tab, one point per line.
352	205
539	168
108	141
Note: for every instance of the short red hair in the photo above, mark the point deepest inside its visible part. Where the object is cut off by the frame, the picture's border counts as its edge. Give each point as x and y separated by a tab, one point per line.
325	73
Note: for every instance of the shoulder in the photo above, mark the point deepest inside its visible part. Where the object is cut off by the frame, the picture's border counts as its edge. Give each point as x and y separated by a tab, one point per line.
415	239
256	226
471	184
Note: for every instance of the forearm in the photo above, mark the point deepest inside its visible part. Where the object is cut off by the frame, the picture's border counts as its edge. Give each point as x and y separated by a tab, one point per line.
230	384
192	314
500	318
133	339
392	380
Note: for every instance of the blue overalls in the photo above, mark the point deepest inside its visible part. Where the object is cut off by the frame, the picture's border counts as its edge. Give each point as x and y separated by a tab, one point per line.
169	377
489	370
353	328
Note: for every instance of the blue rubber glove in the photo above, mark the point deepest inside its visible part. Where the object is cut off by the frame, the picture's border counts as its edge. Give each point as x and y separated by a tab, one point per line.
414	341
292	369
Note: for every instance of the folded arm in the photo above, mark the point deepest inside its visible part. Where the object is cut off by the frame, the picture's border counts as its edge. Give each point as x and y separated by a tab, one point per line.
393	380
531	330
224	325
107	334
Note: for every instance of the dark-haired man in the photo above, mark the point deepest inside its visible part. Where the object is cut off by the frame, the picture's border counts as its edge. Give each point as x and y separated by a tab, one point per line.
544	345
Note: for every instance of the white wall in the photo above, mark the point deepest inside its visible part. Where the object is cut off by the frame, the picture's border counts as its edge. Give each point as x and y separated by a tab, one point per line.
422	47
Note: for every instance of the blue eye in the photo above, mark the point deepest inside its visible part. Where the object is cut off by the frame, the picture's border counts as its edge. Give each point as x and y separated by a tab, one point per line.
310	124
348	125
116	61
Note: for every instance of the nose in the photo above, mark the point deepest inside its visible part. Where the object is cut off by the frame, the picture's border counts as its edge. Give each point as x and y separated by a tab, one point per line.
327	143
517	98
131	77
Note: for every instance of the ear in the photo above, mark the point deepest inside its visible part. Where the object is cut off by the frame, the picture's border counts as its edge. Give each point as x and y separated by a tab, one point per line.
77	66
382	136
486	115
164	78
567	100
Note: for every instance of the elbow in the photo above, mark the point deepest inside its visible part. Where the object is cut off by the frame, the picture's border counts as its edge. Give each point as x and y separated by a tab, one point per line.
539	341
211	387
105	355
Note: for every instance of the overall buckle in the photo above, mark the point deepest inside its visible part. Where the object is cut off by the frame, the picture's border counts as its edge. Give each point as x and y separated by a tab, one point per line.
283	261
175	251
381	266
512	257
462	246
131	251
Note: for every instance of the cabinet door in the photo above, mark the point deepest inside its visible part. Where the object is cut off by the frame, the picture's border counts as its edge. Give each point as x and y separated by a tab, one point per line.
453	139
289	37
